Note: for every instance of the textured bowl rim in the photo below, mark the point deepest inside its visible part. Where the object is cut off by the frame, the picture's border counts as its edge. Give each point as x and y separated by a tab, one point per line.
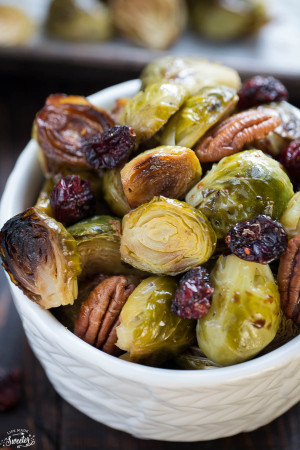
80	350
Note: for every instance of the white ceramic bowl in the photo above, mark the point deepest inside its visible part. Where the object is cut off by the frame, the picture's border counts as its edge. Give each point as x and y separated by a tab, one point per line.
148	402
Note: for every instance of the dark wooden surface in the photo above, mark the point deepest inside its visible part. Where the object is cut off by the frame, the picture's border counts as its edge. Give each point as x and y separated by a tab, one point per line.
55	424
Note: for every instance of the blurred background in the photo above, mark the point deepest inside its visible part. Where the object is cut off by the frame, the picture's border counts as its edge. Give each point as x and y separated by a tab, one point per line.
80	47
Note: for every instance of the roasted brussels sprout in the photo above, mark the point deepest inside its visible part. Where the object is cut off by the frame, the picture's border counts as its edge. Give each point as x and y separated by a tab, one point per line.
194	359
43	201
114	193
191	73
287	131
41	258
166	236
150	109
83	21
148	329
240	187
199	113
15	26
98	241
153	24
290	218
245	312
63	127
222	20
167	170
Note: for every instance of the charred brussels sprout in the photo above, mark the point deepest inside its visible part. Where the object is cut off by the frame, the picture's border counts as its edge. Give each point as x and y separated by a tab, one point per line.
191	73
98	241
41	258
63	127
167	170
290	218
166	236
199	113
85	21
240	187
114	193
148	330
150	109
152	23
222	20
245	312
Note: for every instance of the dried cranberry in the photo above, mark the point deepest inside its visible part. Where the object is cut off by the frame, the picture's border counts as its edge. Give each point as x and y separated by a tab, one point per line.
260	240
10	389
192	299
290	159
112	148
72	199
259	89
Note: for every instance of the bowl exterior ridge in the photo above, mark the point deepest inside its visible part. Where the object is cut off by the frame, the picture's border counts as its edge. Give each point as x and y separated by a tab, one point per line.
202	406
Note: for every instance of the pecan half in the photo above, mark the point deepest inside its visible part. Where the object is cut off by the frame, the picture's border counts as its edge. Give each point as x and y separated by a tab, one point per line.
98	316
232	134
289	280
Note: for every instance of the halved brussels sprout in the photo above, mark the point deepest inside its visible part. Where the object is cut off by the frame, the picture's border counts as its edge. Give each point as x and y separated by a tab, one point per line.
148	328
287	131
98	241
290	218
114	193
226	20
41	258
191	73
150	109
84	21
240	187
199	113
166	236
63	127
152	23
194	359
245	311
167	170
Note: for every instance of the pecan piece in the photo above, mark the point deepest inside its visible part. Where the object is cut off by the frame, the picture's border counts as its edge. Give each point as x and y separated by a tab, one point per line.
289	280
232	134
98	316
